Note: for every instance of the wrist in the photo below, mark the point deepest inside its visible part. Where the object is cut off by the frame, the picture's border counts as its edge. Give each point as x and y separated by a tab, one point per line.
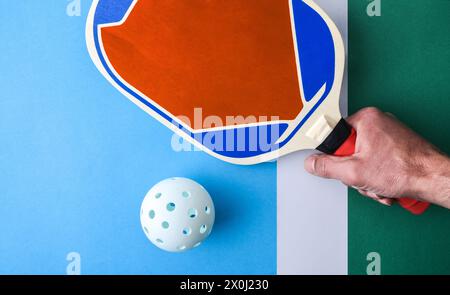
432	184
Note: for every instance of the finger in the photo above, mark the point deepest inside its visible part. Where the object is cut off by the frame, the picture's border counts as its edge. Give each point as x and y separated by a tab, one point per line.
360	116
354	119
330	167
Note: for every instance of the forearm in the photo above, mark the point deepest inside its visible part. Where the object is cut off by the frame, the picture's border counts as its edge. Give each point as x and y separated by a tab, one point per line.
434	184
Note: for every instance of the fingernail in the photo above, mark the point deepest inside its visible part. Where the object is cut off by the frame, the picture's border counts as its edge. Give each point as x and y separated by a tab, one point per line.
391	115
310	164
386	202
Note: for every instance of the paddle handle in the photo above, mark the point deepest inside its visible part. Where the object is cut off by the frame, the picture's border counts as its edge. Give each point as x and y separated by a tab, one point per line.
348	149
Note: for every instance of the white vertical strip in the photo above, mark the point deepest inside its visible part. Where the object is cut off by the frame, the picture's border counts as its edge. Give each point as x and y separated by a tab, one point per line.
312	212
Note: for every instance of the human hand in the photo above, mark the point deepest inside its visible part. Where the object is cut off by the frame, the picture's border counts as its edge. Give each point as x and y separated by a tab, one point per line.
390	161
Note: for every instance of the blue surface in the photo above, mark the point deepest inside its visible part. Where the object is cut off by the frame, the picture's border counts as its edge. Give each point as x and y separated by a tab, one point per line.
76	159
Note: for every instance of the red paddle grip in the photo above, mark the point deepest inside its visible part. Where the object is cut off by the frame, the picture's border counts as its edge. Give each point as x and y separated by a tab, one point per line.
348	148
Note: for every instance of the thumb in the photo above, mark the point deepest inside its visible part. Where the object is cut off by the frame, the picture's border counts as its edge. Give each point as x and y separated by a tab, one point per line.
330	167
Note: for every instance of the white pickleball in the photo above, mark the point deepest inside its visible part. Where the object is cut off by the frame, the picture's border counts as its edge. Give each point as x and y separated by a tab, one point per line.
177	214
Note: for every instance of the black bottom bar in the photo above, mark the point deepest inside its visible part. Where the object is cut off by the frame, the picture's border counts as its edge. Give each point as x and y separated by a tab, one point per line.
225	284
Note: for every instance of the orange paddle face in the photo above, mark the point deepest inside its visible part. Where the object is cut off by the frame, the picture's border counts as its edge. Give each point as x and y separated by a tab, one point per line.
228	57
246	81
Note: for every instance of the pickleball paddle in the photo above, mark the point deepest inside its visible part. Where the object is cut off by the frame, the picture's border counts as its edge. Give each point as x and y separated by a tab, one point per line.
246	81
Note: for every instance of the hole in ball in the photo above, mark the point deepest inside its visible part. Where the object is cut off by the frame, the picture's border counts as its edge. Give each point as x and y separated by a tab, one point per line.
151	214
170	207
203	228
192	213
165	225
187	231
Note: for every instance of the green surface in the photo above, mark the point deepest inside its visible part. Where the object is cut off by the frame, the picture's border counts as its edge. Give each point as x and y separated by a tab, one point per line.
400	62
